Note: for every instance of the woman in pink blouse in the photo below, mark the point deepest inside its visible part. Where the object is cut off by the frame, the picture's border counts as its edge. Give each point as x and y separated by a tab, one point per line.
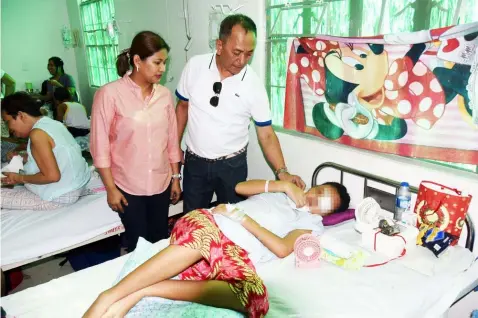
134	141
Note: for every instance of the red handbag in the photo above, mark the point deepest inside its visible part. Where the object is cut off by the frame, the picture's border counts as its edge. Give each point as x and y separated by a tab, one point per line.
441	208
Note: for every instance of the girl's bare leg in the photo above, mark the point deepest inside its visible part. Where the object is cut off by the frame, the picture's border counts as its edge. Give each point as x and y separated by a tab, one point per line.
212	293
166	264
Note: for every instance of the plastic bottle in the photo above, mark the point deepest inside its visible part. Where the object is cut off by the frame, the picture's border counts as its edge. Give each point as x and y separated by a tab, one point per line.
402	202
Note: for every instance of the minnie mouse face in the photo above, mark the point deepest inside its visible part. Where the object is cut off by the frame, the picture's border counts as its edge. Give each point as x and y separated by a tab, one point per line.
366	66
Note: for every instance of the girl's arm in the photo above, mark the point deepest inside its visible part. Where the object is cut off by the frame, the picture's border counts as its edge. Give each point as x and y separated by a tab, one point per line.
281	247
253	187
61	111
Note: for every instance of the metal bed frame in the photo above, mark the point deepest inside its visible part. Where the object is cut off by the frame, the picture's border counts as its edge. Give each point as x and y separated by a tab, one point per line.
384	197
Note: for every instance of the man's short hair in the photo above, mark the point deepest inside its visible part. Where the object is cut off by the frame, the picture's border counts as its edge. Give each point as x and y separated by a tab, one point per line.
236	19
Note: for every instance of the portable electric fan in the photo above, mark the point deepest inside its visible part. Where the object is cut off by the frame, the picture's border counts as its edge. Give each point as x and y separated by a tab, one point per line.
307	251
367	215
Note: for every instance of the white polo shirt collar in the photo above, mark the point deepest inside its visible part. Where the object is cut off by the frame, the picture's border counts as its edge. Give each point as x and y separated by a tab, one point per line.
213	68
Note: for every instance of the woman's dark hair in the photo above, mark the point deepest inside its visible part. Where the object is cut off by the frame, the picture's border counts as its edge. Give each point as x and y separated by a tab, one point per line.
61	94
236	19
343	194
44	88
144	44
58	62
21	102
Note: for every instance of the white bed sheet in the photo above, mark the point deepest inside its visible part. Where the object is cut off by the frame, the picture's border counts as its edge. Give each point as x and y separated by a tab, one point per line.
329	291
28	234
392	290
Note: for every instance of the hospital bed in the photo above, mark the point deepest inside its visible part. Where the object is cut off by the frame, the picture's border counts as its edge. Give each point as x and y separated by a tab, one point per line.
392	290
28	236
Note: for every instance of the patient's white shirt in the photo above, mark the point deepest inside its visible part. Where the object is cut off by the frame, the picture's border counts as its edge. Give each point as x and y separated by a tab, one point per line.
274	212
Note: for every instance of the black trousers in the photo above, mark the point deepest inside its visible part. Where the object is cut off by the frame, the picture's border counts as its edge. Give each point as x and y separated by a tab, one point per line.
78	132
146	217
203	178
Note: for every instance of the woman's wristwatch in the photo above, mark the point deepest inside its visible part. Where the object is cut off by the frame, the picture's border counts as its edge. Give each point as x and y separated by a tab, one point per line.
176	176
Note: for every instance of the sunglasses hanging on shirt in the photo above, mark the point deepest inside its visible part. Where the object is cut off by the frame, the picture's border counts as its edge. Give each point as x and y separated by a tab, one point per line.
216	87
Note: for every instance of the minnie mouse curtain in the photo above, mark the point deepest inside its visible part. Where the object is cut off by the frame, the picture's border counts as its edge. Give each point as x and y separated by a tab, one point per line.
409	94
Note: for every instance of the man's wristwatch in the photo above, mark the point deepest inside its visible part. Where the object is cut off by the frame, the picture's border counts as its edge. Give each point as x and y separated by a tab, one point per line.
280	170
176	176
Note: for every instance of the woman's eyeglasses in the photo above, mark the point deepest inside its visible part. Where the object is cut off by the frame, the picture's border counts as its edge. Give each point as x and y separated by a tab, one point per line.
216	87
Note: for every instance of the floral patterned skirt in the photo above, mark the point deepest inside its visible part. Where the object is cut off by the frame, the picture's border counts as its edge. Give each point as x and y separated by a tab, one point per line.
222	260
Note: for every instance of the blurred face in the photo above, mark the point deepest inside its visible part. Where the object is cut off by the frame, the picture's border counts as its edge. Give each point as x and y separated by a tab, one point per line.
153	67
51	67
19	126
236	51
322	200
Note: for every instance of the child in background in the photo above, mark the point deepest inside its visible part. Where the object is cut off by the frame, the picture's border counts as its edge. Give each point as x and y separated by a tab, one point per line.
71	113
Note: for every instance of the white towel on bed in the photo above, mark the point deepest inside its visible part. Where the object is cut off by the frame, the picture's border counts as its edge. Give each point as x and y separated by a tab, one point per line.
15	165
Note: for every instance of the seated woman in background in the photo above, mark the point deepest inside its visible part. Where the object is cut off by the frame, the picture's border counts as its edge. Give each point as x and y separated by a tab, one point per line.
55	173
59	79
215	251
71	113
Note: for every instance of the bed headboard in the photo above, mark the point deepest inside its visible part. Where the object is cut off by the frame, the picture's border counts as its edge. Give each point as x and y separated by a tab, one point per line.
371	188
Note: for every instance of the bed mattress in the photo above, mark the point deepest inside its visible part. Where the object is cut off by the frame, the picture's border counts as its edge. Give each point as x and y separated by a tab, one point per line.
392	290
29	234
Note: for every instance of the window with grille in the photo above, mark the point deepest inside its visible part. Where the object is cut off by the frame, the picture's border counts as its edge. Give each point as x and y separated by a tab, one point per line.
288	19
101	49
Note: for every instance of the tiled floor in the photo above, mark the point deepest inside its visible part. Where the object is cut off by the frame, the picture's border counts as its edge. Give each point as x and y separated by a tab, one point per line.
42	272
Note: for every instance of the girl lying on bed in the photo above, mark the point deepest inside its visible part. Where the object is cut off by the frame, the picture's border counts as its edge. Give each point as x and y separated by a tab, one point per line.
54	173
214	251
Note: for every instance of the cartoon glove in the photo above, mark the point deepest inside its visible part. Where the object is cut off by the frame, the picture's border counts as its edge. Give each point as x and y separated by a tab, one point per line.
346	113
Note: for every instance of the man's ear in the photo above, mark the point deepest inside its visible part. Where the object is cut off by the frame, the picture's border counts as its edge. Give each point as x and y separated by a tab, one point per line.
219	46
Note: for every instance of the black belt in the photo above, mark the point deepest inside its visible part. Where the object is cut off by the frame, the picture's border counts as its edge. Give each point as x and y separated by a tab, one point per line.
232	155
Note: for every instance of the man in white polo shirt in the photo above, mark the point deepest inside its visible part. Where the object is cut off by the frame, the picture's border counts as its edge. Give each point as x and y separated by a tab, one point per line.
218	95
